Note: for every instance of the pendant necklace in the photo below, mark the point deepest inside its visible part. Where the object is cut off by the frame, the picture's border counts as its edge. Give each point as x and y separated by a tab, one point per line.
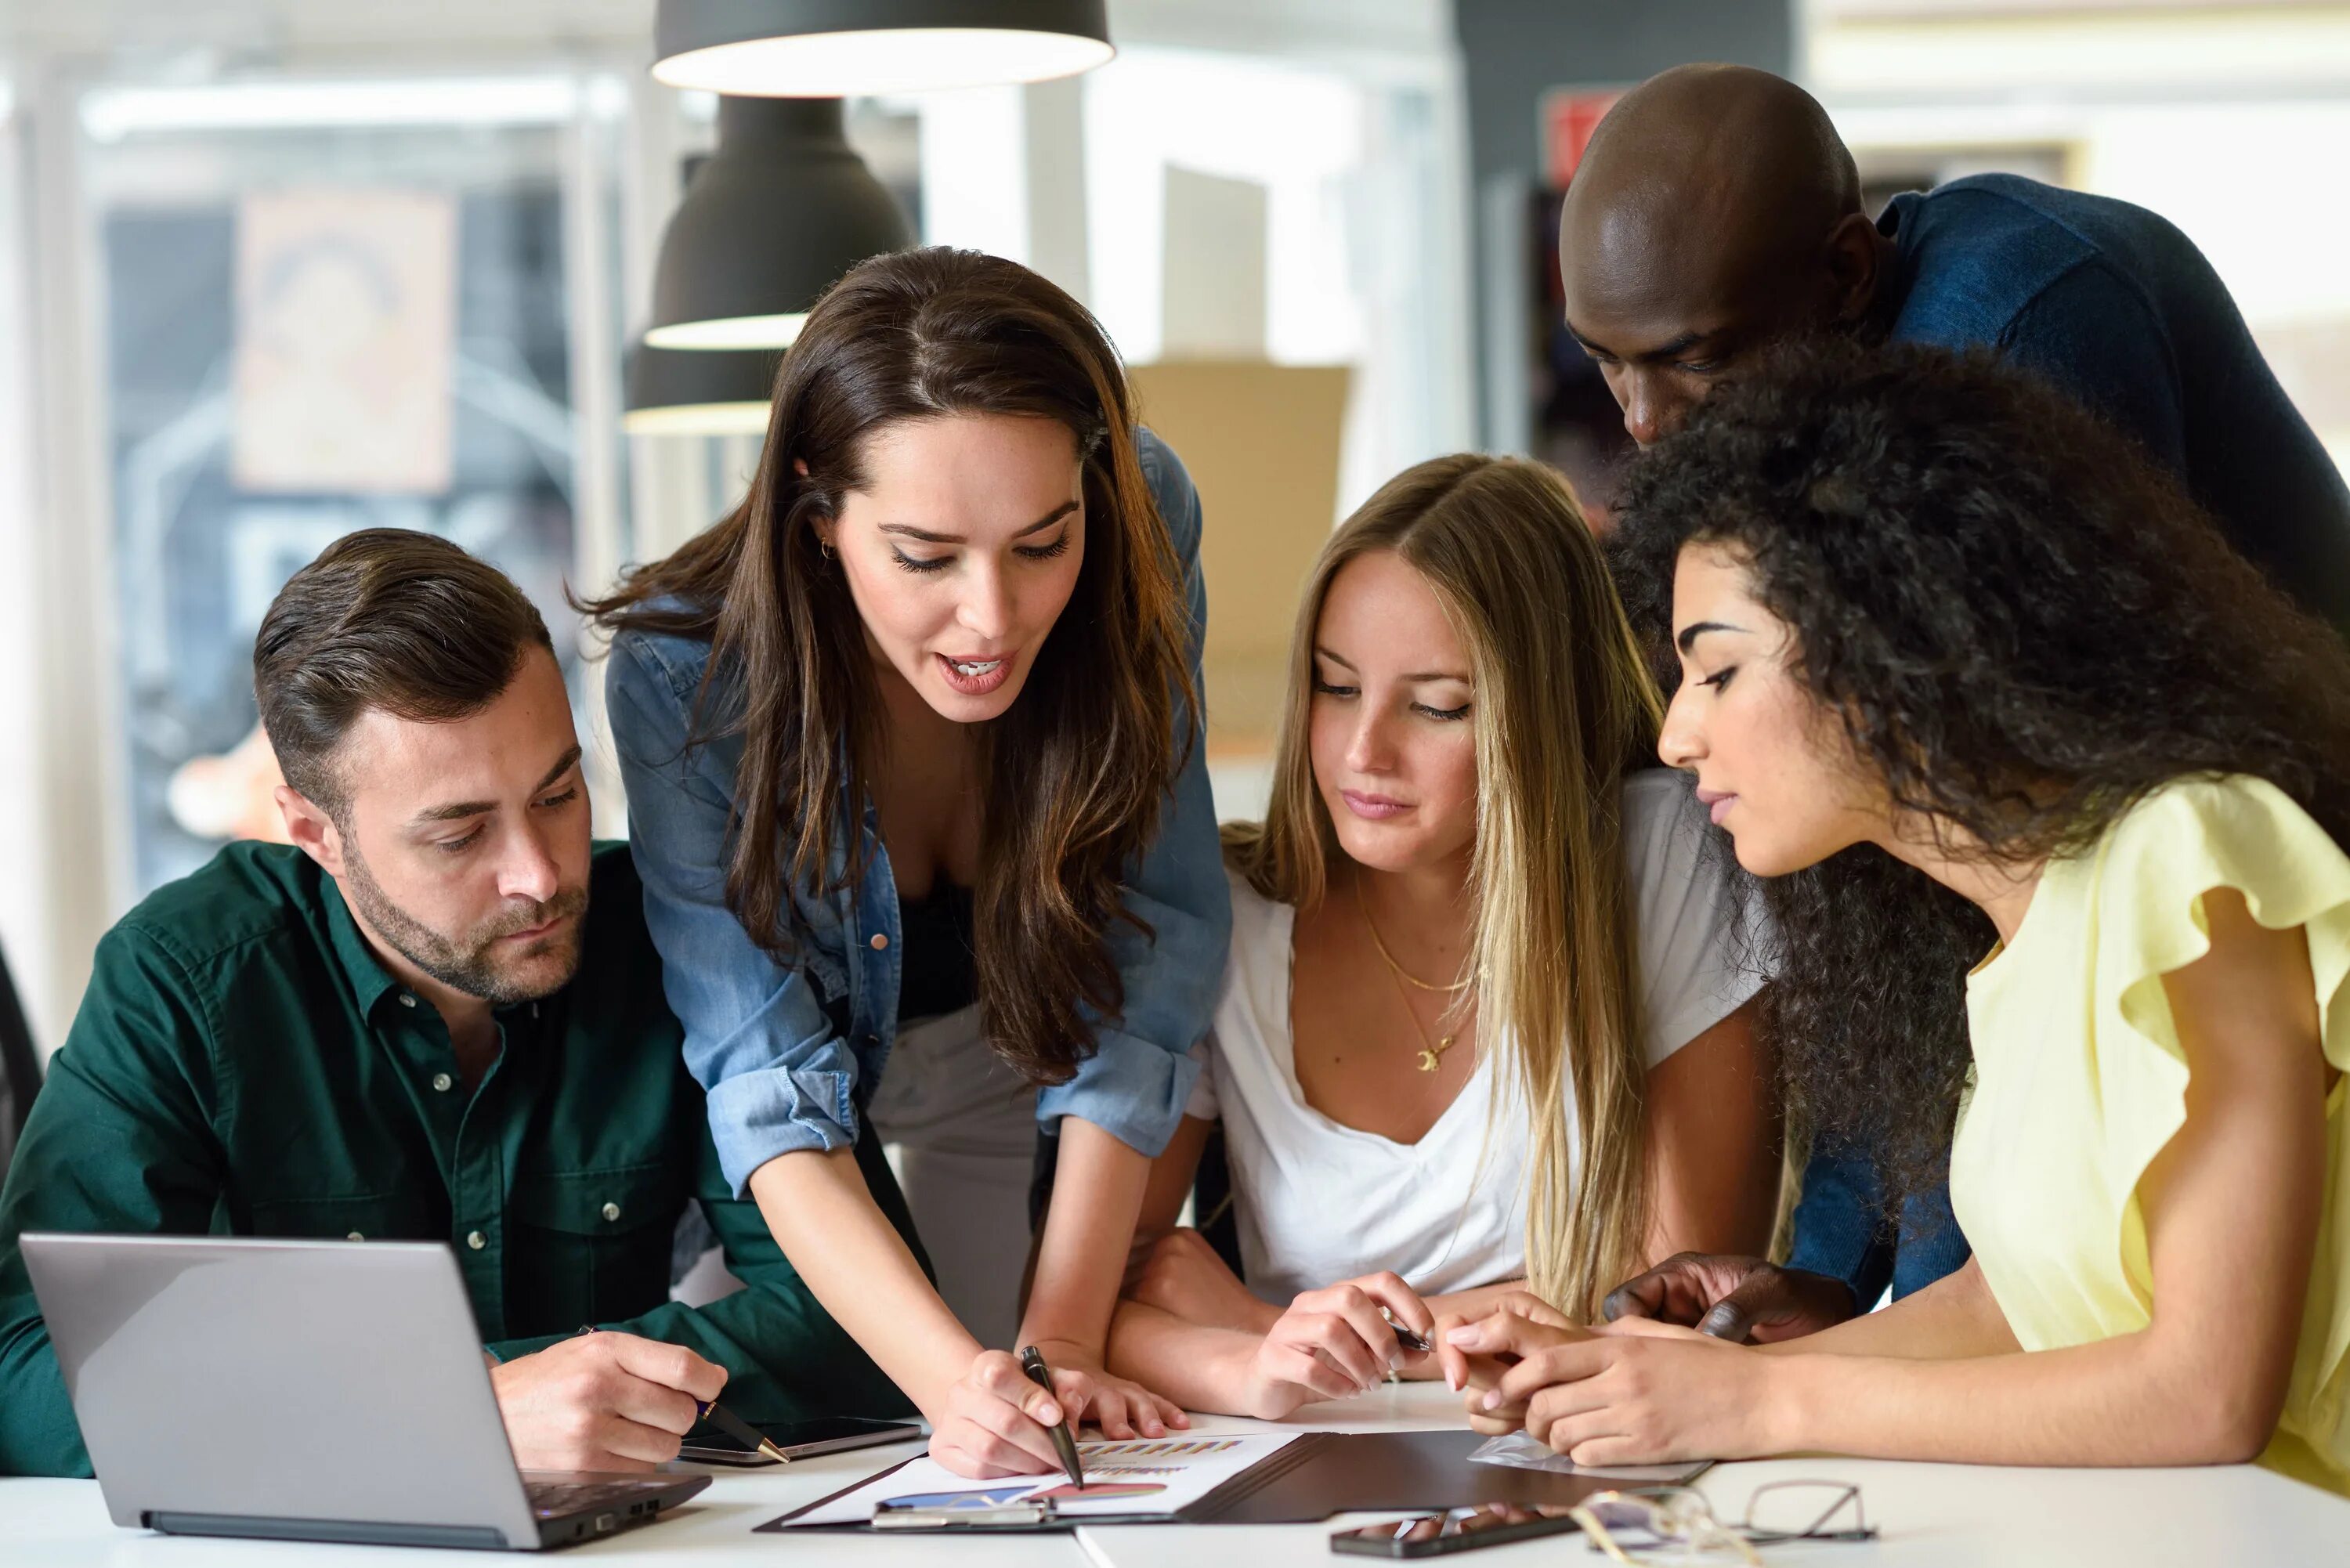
1431	1052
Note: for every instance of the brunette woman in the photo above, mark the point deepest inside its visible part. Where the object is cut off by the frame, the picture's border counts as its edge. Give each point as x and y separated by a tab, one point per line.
2051	788
910	748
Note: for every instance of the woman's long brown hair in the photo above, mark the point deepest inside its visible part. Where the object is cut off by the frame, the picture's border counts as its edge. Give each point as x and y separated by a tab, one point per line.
1075	771
1564	708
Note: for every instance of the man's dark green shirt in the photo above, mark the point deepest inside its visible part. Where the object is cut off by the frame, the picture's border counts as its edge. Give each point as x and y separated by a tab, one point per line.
242	1065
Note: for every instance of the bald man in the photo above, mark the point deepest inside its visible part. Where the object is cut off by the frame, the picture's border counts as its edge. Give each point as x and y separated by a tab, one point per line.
1716	210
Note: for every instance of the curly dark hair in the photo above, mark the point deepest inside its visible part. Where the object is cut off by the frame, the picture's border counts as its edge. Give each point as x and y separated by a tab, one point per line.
2023	624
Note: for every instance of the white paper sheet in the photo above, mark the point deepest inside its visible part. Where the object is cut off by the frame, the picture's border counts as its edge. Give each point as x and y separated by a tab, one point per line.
1146	1475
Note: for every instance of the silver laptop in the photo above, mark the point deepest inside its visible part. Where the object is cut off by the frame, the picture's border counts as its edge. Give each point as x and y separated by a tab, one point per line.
303	1390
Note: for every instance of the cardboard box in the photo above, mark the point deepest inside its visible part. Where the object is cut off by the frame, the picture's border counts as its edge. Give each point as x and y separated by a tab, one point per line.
1261	444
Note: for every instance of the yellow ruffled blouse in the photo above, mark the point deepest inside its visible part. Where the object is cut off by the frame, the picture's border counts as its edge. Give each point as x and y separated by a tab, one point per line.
2079	1079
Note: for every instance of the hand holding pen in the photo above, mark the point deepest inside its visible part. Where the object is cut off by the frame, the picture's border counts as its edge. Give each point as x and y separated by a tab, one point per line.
995	1421
1336	1342
1065	1435
602	1401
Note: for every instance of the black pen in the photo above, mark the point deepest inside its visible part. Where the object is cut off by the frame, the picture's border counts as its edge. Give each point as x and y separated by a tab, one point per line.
1410	1339
1065	1435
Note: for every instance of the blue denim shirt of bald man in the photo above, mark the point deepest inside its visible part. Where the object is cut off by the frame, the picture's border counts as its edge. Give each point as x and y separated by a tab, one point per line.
789	1054
2116	307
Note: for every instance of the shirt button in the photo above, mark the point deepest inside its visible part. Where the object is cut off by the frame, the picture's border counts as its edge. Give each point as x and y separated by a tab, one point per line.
880	941
406	1000
476	1241
611	1211
443	1082
355	1236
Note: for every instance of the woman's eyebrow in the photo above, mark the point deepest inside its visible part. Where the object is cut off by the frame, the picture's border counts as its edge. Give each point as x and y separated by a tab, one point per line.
1320	652
911	532
1695	629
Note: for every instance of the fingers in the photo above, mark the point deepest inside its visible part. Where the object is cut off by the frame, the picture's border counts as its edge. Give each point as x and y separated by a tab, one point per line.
995	1421
1284	1361
645	1403
996	1374
1451	1357
1357	1304
1150	1416
1561	1363
1005	1436
1389	1290
1505	1333
1482	1381
1342	1341
1760	1293
1600	1453
640	1444
670	1365
1564	1405
1532	1308
1574	1434
1120	1410
1643	1296
1680	1290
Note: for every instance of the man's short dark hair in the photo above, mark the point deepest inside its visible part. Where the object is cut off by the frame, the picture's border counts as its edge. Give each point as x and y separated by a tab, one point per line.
384	619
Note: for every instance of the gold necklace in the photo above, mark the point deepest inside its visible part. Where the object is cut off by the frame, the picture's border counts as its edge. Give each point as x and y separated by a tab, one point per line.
1431	1054
1387	958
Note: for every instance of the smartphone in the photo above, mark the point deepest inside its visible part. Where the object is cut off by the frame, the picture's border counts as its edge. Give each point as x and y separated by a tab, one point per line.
800	1440
1458	1529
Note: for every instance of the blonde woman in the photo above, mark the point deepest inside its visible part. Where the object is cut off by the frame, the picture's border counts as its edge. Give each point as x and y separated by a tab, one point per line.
1482	1028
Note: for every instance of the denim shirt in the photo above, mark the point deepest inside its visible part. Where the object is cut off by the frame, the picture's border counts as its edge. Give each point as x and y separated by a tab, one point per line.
764	1036
2118	309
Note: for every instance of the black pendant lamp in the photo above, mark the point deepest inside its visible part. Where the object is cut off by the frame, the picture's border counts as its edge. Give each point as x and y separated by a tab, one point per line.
712	392
769	222
839	48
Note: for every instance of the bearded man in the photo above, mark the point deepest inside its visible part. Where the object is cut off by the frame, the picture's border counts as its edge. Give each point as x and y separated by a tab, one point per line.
436	1016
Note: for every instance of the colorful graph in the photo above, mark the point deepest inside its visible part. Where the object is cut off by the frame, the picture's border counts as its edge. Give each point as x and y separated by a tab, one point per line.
1164	1449
991	1498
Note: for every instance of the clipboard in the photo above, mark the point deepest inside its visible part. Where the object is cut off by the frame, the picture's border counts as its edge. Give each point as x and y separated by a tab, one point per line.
1319	1475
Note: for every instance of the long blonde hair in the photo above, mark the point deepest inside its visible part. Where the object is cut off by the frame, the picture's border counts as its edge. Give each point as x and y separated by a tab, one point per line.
1565	707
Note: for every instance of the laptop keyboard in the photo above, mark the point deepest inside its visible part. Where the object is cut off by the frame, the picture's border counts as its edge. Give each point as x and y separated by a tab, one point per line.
558	1499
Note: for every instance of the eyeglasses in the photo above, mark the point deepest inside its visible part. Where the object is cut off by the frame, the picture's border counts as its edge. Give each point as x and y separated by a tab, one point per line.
1677	1519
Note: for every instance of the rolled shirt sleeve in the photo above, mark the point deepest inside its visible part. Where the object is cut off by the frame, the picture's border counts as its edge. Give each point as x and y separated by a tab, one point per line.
757	1037
1136	1084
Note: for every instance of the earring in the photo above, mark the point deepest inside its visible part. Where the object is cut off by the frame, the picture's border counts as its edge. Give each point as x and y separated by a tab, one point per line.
825	546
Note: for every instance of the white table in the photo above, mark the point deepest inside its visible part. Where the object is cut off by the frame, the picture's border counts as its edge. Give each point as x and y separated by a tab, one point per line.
1928	1516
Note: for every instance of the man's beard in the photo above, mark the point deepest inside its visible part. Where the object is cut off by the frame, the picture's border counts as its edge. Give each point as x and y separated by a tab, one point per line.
469	963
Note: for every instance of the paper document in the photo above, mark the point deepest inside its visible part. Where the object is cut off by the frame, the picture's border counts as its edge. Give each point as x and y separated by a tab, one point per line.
1146	1475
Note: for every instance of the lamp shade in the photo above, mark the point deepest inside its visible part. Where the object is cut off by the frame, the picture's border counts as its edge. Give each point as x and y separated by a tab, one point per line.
837	48
673	391
769	222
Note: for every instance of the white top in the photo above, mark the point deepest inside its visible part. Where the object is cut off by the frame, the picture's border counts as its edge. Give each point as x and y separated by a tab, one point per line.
1317	1201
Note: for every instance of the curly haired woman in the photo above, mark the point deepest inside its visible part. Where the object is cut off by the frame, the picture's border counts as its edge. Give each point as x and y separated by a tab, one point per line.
2052	789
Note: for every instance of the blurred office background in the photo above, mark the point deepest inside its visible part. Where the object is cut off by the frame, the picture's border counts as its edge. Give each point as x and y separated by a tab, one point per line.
271	270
